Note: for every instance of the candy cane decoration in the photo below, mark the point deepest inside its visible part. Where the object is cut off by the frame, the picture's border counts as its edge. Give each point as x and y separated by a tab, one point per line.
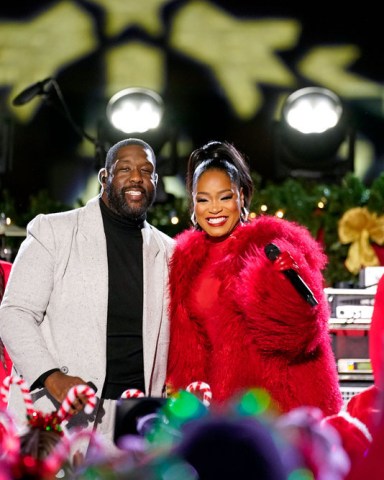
132	393
74	393
15	380
9	438
62	450
202	388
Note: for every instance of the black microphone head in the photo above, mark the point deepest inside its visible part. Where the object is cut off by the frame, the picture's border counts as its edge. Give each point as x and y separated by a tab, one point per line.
272	251
31	92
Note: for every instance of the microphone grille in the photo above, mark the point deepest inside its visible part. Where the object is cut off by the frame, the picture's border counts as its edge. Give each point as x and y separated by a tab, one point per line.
272	251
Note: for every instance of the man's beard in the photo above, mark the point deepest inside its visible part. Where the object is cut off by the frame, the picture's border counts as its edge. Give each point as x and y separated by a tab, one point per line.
117	203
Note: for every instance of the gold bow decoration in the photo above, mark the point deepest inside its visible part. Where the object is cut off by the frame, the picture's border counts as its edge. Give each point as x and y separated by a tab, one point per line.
359	227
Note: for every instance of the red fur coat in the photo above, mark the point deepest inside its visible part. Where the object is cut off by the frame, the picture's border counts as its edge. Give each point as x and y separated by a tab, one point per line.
265	334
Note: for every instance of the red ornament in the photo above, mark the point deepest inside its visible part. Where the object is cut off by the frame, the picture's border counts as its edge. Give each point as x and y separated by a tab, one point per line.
45	421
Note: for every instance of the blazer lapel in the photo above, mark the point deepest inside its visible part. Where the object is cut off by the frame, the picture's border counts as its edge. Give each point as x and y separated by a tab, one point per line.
155	273
93	250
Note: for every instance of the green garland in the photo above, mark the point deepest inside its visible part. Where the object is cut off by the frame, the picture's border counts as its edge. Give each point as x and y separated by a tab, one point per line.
317	206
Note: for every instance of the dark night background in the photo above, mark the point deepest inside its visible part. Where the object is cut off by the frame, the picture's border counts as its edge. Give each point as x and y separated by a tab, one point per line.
44	150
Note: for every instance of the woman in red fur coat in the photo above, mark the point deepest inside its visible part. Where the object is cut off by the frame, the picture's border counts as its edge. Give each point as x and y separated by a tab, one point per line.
237	321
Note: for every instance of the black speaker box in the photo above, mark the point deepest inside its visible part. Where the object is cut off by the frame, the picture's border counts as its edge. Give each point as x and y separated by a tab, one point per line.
135	415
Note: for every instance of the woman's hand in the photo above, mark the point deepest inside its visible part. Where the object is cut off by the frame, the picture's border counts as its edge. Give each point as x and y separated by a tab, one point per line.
285	261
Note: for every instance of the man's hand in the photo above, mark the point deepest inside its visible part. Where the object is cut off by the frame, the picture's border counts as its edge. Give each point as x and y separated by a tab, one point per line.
58	385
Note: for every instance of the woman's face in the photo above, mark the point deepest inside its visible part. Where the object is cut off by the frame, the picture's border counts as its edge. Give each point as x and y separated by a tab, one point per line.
217	203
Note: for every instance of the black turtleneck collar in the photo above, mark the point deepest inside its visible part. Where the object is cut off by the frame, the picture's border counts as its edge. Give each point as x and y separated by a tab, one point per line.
118	220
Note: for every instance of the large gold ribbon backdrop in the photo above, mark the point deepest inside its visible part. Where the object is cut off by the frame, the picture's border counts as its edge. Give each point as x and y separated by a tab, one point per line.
359	227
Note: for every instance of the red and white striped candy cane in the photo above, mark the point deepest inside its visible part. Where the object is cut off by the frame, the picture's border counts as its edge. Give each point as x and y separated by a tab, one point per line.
62	450
75	392
15	380
202	388
132	393
9	439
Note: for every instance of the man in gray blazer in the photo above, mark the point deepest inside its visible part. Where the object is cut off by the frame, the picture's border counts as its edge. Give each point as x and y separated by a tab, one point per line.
87	300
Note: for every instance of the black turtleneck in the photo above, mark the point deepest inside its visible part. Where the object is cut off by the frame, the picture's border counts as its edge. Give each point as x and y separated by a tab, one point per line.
125	366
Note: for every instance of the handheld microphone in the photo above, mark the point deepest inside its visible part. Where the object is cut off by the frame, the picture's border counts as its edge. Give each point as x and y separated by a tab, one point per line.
272	251
31	92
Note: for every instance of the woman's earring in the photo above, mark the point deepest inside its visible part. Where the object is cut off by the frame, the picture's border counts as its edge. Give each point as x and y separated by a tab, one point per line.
244	215
193	219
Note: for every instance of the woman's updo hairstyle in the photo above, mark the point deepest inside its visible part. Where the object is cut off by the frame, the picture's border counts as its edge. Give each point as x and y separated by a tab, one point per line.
221	156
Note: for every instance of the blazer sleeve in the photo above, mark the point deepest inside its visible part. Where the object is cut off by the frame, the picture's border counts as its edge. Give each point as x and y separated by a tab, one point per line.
26	298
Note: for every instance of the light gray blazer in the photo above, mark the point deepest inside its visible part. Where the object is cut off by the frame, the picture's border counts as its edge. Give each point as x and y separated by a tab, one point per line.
54	310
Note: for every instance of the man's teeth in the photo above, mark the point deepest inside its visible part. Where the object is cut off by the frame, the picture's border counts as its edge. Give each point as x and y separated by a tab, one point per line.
216	220
133	192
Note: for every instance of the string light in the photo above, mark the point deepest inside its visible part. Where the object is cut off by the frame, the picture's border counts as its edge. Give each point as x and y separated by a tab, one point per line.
301	474
183	406
255	401
322	202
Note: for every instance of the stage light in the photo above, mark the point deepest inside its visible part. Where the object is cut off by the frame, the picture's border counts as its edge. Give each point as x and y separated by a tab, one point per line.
312	127
312	110
135	110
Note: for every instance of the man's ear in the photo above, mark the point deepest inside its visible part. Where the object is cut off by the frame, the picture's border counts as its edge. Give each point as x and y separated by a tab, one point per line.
102	176
156	178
